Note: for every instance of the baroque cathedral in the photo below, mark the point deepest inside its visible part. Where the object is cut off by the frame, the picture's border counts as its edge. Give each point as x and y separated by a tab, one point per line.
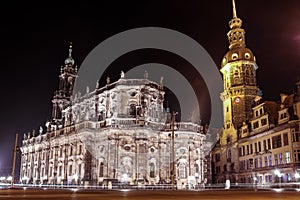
260	141
119	134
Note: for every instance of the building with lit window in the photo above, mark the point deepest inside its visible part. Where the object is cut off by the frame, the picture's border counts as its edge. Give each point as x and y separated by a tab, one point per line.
118	134
260	141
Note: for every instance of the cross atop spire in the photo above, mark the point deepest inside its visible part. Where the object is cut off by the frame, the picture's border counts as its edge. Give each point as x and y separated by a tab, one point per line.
70	50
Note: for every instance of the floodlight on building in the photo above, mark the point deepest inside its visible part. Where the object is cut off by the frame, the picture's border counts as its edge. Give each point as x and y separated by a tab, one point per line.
277	172
297	175
24	178
75	176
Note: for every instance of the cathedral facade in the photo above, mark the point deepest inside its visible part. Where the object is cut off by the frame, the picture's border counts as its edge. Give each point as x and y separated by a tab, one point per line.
119	134
260	141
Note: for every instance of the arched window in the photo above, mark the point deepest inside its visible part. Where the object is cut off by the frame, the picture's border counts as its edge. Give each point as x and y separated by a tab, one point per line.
132	110
196	168
101	170
182	170
152	170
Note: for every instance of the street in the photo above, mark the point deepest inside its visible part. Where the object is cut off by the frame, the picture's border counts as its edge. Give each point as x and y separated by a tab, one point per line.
75	194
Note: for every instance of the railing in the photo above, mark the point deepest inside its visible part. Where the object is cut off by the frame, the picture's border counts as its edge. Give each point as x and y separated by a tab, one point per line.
218	186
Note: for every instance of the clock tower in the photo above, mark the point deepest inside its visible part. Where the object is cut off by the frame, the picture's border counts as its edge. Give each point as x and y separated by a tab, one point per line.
239	76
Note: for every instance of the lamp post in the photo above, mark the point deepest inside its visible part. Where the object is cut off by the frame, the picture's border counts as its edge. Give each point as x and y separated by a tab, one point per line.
14	161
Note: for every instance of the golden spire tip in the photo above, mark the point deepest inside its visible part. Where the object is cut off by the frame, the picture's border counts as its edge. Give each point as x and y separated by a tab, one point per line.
234	9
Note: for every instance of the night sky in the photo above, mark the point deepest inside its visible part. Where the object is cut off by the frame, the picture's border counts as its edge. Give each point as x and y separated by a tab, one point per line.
35	38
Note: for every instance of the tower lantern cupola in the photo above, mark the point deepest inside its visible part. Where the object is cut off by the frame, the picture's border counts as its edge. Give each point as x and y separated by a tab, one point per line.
69	60
237	43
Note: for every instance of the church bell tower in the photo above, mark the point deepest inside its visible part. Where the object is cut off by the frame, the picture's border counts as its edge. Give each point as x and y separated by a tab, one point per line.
62	96
239	76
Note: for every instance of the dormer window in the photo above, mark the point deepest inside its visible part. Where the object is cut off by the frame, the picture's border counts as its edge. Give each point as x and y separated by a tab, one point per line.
255	125
283	115
264	121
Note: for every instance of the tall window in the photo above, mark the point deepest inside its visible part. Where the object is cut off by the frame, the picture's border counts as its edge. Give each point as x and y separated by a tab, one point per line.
70	170
43	172
276	141
196	166
260	162
247	149
218	157
152	170
297	155
182	170
265	144
287	157
50	172
259	146
263	121
240	151
101	170
270	160
276	159
60	170
79	170
255	125
266	161
132	110
269	143
71	150
80	149
285	139
296	136
280	159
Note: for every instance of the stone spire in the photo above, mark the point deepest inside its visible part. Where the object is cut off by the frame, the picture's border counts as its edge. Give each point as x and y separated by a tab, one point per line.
69	60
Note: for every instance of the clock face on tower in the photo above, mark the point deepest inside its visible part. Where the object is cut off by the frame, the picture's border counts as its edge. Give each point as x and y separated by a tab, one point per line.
237	100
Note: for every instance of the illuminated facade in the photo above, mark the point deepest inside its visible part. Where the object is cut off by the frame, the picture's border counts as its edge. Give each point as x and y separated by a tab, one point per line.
119	134
260	141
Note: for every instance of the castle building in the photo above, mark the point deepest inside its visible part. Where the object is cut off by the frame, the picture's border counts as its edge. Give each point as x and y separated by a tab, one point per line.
118	134
260	141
